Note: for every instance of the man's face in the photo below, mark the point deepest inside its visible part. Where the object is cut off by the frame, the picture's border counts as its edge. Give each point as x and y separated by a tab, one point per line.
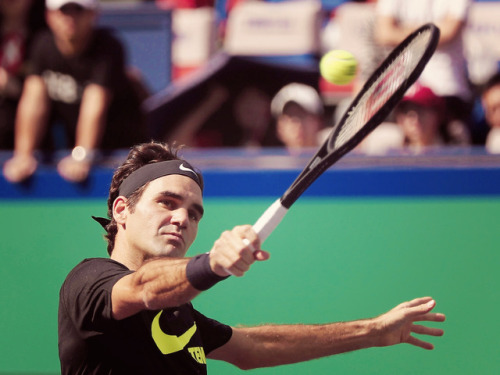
164	222
491	105
420	125
297	128
72	23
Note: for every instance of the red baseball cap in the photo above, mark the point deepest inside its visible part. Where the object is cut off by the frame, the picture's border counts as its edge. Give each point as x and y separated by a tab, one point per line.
423	96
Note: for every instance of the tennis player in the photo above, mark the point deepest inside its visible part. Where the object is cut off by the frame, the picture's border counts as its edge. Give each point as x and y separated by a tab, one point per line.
131	313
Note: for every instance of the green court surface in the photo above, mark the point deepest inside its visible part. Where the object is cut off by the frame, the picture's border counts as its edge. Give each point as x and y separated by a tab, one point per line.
332	260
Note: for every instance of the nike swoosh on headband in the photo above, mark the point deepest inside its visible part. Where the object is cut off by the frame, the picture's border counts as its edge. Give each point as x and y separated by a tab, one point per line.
186	169
169	344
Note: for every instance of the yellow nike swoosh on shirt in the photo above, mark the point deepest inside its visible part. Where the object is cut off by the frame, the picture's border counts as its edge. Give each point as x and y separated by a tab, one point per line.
169	344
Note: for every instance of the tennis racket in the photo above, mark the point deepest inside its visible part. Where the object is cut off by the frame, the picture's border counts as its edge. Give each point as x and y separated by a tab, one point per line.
379	95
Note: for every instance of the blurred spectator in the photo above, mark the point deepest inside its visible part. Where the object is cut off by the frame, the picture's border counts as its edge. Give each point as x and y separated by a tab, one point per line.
252	113
224	119
490	100
20	20
299	111
187	131
446	73
421	117
78	80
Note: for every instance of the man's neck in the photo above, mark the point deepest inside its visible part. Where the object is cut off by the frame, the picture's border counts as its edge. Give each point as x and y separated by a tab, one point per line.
123	257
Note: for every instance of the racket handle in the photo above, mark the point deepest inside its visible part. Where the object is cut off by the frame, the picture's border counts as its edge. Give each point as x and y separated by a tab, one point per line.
269	220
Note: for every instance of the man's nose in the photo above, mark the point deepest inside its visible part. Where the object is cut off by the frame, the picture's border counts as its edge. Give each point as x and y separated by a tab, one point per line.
180	217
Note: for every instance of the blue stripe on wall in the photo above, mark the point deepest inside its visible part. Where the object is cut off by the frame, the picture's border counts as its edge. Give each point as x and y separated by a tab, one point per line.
378	182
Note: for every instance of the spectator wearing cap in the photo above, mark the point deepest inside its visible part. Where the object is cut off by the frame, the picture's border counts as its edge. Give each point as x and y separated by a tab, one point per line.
298	110
490	100
78	80
421	117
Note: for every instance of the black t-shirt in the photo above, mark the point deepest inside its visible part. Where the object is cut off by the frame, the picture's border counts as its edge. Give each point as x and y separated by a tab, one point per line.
169	341
102	63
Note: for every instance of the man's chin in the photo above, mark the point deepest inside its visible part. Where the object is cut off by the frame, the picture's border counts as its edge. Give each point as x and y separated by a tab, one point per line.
172	252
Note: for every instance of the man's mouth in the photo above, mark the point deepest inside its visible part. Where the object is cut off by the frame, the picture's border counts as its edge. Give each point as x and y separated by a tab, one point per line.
175	236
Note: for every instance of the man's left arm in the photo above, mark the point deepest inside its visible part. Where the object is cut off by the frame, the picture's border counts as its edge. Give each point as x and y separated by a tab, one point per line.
89	130
273	345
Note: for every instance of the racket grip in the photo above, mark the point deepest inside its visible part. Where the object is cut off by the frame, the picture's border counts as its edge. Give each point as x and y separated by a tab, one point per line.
269	220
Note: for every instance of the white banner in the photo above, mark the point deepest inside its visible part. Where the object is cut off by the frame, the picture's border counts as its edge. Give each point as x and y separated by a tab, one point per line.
286	28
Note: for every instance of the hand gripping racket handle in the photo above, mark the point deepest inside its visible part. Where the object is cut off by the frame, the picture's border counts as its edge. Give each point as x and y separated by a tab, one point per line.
269	220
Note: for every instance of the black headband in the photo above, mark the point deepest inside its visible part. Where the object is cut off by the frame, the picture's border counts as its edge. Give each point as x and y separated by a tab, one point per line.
150	172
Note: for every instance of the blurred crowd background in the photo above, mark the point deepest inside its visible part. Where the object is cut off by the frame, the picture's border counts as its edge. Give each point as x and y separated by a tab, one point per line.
82	79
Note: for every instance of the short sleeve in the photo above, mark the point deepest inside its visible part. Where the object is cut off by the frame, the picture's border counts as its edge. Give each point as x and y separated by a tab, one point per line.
213	333
41	43
86	294
108	60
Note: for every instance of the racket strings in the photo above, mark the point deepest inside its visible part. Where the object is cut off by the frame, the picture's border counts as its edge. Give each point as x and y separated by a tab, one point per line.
382	89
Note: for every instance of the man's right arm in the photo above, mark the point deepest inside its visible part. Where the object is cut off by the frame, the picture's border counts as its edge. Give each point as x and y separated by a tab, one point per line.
157	284
167	282
30	128
31	115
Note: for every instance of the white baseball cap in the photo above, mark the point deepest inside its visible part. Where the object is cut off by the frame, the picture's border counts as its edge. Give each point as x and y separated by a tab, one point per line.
58	4
304	95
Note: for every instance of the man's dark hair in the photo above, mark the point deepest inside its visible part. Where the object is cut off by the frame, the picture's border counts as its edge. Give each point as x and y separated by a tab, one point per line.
140	155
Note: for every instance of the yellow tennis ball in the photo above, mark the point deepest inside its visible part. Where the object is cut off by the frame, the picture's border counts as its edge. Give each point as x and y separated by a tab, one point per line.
338	67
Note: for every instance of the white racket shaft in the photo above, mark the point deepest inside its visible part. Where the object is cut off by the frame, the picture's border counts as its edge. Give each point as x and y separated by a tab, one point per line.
266	223
269	220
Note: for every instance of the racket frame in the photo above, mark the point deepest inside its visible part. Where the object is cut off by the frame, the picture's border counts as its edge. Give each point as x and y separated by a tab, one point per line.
324	157
327	155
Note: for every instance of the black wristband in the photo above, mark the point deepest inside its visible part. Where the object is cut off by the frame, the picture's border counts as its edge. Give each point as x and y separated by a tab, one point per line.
199	273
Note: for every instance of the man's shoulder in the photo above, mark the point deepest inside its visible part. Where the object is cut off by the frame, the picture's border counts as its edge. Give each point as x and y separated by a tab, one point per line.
93	274
92	262
96	266
107	37
106	44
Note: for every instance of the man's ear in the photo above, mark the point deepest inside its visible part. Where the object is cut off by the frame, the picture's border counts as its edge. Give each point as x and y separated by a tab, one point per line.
120	210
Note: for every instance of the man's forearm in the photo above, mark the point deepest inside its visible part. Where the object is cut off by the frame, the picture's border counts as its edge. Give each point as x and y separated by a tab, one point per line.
155	285
274	345
92	118
31	117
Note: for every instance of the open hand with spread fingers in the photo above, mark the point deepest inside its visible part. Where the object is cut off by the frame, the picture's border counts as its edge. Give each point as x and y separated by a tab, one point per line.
399	324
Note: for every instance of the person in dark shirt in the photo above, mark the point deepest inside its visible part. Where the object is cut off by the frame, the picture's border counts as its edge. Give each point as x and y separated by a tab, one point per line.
20	21
78	80
131	313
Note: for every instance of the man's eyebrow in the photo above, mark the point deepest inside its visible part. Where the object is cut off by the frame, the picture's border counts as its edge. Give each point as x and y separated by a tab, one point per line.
196	206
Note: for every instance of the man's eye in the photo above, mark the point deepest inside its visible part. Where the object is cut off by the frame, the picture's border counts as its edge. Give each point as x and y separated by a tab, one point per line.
166	203
194	216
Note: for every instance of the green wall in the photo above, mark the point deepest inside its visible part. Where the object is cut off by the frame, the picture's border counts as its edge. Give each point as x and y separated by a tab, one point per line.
331	260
